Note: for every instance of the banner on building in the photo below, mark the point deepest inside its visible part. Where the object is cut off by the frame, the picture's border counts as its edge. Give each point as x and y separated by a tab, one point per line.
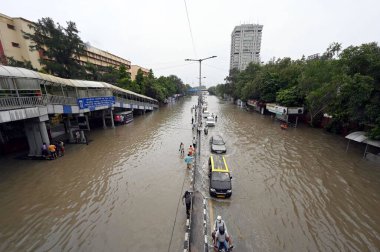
93	102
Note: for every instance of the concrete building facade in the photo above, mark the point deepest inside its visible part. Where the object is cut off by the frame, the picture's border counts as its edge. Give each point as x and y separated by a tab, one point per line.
135	68
245	45
103	59
13	44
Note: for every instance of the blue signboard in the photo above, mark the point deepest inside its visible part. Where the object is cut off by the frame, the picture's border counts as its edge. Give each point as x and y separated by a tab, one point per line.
93	102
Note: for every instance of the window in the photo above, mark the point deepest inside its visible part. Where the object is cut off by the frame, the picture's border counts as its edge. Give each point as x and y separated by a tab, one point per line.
12	27
15	44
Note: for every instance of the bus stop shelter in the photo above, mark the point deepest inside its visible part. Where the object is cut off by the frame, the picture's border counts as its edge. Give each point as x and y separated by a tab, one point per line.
360	137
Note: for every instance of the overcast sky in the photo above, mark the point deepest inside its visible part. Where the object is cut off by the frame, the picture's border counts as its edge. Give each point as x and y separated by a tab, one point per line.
155	33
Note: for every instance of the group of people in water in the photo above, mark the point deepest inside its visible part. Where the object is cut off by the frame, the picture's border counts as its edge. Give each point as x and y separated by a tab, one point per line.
190	153
53	151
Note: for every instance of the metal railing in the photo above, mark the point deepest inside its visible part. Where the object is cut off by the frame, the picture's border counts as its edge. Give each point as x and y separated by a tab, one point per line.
61	100
7	103
21	102
139	103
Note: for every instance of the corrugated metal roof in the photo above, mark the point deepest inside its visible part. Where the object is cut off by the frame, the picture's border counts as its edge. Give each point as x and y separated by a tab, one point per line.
17	72
359	136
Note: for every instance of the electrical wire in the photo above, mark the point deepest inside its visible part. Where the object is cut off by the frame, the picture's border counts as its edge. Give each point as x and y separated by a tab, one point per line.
169	67
191	33
218	68
175	219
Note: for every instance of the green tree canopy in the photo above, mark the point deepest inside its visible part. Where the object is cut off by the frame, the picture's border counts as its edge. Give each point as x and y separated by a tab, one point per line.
345	84
60	46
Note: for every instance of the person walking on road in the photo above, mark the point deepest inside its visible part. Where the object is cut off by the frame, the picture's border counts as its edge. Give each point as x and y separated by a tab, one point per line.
188	160
194	142
44	149
187	197
182	149
192	120
77	136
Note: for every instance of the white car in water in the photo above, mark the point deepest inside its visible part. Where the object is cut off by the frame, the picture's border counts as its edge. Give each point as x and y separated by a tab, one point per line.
210	121
206	114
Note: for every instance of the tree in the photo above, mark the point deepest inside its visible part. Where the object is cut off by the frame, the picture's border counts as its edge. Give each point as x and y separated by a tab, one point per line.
318	100
332	51
110	75
139	80
289	97
61	47
10	61
352	98
212	90
124	77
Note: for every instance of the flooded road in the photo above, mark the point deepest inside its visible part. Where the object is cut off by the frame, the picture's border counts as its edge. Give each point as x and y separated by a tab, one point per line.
293	190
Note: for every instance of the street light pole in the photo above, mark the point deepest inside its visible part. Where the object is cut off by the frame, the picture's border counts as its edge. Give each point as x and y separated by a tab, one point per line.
200	96
200	78
200	67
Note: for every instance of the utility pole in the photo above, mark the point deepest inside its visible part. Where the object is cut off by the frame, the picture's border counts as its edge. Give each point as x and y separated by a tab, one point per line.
200	92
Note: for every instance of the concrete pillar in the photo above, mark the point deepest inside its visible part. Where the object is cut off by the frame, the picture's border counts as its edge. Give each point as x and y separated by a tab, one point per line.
36	135
1	137
104	119
112	122
71	136
44	134
29	127
87	122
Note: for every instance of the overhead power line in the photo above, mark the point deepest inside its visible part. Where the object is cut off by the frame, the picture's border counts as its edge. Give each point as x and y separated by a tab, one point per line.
175	66
218	68
191	33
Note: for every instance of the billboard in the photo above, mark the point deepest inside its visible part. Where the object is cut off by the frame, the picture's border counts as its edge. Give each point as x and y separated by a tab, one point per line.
93	102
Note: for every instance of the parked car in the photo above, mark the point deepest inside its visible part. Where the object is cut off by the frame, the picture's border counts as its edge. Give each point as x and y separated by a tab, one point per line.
217	144
210	121
220	177
206	114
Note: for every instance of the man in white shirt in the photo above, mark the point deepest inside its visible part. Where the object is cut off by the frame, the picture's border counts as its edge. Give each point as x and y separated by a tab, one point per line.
217	224
222	239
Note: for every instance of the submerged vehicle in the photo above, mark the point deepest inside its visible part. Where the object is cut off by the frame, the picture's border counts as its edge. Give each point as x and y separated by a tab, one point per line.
220	177
210	121
217	144
206	114
123	117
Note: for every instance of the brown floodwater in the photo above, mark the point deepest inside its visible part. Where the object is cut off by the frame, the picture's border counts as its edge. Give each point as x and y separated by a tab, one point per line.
293	190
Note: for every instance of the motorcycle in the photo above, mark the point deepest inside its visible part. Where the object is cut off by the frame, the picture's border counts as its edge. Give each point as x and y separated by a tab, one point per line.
222	248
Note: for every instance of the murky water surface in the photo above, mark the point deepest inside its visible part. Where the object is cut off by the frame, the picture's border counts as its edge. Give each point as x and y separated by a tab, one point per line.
293	190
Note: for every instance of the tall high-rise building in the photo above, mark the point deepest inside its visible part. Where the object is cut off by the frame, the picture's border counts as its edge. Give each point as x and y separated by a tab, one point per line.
245	45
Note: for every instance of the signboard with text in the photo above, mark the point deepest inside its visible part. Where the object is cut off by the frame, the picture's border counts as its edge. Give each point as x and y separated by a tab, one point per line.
93	102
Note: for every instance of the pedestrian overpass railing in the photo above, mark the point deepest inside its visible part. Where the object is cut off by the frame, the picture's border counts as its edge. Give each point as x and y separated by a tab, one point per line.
56	99
7	103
